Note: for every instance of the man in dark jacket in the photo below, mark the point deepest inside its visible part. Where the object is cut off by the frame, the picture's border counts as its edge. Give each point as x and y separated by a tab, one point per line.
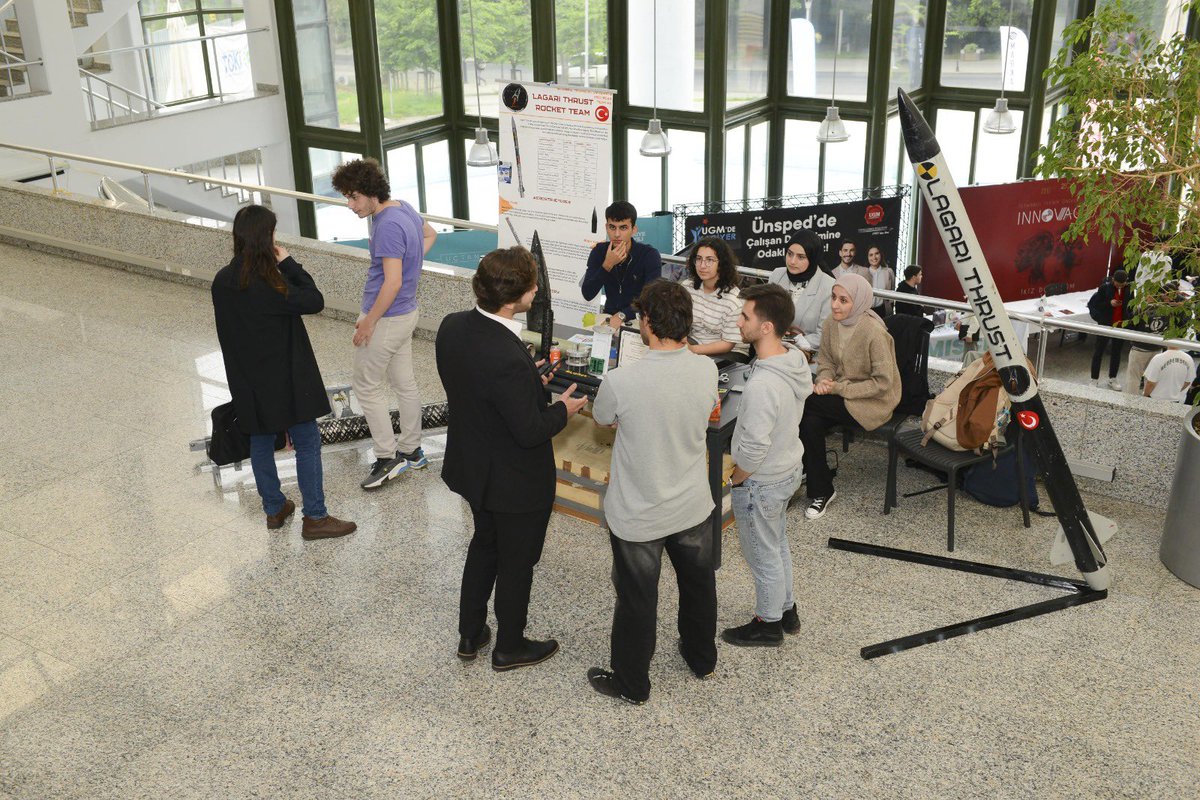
271	370
620	266
499	454
1109	306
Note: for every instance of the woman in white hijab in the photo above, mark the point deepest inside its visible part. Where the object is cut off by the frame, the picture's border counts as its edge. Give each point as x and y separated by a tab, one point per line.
857	382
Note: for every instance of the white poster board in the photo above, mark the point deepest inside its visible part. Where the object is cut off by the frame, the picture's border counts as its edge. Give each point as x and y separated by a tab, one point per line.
555	151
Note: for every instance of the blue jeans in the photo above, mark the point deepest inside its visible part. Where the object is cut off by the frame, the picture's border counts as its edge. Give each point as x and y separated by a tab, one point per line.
761	513
306	438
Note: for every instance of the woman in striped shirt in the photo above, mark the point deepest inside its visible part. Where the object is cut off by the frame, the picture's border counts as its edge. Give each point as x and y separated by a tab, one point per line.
716	303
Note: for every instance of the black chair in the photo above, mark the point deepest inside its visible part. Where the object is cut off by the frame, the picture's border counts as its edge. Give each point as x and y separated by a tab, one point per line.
910	334
937	457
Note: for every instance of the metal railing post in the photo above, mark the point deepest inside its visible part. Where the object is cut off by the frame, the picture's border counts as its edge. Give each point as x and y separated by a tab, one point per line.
144	63
217	70
149	191
87	88
1042	337
53	175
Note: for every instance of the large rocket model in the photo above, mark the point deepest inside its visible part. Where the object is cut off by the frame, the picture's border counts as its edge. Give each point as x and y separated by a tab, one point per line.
936	185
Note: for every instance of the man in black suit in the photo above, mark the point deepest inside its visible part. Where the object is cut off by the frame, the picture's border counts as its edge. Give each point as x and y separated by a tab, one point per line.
499	454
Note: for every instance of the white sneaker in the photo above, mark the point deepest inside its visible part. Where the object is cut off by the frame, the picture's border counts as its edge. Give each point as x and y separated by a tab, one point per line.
1094	382
816	509
1114	384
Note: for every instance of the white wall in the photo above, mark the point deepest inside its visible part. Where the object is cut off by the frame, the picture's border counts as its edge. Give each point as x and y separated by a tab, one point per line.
58	120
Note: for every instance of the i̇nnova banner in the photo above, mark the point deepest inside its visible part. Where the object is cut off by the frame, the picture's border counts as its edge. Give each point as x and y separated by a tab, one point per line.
555	145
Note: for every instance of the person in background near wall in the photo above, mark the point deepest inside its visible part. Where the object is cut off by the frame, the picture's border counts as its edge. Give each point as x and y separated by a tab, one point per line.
881	276
499	454
398	242
1149	321
258	301
658	498
804	276
847	253
911	285
1169	376
1109	306
767	456
620	266
858	383
716	301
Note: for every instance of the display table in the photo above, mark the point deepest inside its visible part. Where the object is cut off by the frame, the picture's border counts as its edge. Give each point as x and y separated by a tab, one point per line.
944	341
583	458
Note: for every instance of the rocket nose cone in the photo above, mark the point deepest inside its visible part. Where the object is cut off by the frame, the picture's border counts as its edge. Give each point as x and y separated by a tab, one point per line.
918	136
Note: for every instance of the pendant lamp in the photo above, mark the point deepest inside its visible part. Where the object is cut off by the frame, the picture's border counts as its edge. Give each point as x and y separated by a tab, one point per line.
483	152
832	128
654	143
1000	119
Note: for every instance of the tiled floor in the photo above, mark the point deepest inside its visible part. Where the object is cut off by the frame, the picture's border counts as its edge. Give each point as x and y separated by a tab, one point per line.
157	641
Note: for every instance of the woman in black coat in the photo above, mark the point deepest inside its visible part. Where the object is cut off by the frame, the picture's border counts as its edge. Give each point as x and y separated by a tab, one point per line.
258	300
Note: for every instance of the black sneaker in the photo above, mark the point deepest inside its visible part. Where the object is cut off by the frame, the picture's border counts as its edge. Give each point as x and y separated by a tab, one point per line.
605	683
817	507
416	459
384	470
755	633
791	620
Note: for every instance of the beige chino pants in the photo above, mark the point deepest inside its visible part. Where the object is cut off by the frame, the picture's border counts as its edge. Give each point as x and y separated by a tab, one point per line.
388	359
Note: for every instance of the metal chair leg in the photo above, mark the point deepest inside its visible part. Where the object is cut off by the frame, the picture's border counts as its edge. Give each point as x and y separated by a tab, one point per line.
889	493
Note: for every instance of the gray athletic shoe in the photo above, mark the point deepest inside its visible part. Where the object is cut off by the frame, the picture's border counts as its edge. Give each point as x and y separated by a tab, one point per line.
384	470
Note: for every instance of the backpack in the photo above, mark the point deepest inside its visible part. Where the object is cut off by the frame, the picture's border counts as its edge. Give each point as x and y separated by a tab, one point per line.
995	482
972	412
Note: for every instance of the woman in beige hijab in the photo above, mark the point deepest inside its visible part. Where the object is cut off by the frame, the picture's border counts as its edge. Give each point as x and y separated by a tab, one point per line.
857	382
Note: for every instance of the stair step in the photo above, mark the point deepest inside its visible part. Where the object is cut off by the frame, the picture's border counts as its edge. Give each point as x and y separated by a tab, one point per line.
12	26
78	19
12	77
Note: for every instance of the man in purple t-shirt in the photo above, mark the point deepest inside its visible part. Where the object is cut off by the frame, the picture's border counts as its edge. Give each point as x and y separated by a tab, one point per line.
399	240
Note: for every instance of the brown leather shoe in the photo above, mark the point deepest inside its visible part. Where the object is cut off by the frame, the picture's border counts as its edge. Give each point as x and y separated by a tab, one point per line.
275	521
326	528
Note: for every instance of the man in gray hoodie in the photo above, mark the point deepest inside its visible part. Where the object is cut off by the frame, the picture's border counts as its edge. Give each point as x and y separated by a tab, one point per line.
768	453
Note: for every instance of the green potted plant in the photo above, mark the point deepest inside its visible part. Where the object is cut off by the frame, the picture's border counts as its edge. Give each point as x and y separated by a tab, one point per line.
1129	145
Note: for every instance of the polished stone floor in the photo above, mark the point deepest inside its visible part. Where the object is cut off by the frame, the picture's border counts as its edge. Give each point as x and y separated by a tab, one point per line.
157	641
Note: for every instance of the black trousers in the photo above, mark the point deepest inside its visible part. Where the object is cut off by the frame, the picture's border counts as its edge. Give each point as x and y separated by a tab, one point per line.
636	567
502	553
821	412
1114	360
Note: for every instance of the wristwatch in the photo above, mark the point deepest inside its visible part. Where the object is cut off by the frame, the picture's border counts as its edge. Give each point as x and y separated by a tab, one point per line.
620	315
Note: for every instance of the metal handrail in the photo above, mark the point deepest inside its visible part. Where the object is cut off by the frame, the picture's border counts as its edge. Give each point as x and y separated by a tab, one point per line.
92	93
4	6
127	91
138	47
17	64
1043	322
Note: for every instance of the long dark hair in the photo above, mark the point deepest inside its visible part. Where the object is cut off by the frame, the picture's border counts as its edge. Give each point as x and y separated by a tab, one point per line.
254	244
727	277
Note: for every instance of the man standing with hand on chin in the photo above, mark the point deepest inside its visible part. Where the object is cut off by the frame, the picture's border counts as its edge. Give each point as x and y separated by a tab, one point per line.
399	240
620	266
499	454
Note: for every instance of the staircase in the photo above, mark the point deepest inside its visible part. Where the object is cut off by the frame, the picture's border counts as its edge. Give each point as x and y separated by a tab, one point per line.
244	167
79	10
11	51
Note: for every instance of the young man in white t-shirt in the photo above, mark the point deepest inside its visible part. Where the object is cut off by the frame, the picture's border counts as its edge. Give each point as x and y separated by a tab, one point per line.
1168	375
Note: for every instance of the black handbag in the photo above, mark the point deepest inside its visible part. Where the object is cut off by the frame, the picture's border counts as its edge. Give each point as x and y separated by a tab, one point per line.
228	444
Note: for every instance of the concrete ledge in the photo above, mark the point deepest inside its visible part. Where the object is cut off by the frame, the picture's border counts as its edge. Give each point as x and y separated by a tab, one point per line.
169	246
1136	437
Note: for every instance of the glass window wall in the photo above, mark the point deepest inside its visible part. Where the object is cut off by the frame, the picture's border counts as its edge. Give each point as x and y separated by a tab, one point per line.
908	46
334	223
504	46
483	196
181	73
685	167
326	60
998	156
977	35
844	161
813	42
410	65
680	55
645	175
756	178
801	157
746	44
955	132
581	46
735	163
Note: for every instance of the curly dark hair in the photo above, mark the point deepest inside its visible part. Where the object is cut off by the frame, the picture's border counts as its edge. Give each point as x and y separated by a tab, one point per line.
727	277
503	276
667	308
363	175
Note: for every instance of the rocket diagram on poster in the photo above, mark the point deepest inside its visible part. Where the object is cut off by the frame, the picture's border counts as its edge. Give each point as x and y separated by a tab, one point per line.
553	176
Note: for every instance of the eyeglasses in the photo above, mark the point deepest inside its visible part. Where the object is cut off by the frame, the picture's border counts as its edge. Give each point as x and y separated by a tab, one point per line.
709	260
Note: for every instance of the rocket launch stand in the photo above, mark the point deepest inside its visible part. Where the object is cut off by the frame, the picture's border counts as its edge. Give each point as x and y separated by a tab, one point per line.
1078	593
